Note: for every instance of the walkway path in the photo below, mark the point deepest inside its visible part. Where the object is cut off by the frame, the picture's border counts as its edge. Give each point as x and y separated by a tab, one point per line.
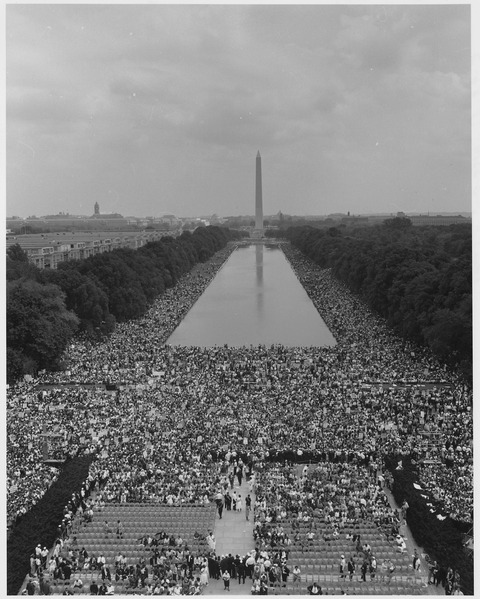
234	534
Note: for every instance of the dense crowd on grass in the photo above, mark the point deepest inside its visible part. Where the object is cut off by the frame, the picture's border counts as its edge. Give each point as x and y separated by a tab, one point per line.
33	410
163	433
419	279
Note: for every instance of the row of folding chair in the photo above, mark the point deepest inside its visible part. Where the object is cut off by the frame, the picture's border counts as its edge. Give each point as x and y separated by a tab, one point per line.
334	590
145	528
126	508
156	519
180	513
142	529
332	551
159	507
156	523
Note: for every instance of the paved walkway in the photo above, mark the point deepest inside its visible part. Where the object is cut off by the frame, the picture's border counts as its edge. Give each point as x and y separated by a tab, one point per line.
233	534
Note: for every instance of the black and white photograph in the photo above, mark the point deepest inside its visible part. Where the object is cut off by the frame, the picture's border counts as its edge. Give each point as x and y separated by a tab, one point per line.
238	328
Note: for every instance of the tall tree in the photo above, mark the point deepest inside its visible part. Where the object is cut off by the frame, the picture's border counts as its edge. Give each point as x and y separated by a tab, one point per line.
38	325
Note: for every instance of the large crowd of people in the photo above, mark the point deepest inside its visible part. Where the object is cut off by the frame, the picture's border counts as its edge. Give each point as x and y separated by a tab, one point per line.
163	432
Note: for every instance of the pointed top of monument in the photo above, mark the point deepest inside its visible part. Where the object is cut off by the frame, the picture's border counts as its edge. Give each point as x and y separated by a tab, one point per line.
258	154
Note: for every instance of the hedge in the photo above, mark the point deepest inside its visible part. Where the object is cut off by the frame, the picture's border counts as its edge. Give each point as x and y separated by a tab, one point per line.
40	524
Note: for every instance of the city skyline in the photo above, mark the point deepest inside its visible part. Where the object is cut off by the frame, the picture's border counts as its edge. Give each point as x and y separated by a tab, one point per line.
160	108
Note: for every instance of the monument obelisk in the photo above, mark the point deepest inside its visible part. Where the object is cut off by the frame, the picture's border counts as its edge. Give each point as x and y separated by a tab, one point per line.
258	232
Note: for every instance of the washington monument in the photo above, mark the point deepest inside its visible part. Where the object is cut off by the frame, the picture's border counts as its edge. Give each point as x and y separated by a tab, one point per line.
258	197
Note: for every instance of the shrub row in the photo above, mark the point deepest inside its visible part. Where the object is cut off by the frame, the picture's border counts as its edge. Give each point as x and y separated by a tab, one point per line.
40	524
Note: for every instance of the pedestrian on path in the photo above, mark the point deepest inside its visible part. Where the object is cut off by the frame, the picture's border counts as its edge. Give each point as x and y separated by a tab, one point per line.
219	502
250	563
248	506
240	474
226	580
239	503
241	570
204	576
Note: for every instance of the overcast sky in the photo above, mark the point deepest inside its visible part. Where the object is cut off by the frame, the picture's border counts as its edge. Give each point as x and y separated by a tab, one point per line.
153	109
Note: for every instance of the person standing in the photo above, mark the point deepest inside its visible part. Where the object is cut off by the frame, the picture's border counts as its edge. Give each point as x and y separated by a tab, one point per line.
391	572
404	509
248	506
45	588
296	575
249	565
219	502
239	503
44	557
204	576
285	570
343	566
210	541
106	529
351	567
241	570
373	567
30	588
94	588
119	530
240	473
416	561
363	570
384	571
226	580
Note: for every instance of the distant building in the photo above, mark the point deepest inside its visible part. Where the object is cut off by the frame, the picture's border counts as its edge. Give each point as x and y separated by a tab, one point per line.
96	208
48	250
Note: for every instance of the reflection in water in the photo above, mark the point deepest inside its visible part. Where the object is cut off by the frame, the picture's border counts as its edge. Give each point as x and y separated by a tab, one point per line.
259	270
254	299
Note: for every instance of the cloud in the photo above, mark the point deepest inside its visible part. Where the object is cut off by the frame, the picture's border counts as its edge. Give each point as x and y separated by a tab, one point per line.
172	101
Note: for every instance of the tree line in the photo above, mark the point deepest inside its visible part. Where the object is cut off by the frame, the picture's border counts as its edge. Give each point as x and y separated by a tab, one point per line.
45	308
418	278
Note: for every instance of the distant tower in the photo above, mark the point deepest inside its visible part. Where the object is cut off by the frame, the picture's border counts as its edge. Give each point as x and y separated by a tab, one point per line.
97	208
258	197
